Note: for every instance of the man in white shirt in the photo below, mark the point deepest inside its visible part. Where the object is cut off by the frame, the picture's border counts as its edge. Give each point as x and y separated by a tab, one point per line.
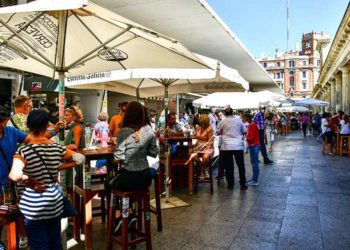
232	130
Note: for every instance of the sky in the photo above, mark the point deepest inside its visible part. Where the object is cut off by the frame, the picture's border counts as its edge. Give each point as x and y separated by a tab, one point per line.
261	25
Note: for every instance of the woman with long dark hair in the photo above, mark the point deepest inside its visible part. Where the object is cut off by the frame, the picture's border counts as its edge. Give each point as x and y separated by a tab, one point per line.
136	140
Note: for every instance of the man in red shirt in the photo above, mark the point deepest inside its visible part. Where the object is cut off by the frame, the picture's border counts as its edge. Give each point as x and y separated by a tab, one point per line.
254	147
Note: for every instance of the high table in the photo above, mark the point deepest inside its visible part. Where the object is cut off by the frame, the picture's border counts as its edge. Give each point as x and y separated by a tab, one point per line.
182	159
87	191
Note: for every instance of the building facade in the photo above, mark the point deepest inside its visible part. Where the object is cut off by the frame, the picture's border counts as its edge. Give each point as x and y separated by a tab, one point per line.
296	72
334	82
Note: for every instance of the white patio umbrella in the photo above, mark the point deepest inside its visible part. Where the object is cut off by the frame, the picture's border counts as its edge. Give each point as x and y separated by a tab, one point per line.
310	102
251	100
293	109
147	82
80	41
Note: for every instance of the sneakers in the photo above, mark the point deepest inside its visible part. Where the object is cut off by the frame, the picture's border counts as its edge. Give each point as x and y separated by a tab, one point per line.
2	246
132	221
118	226
23	242
119	221
244	187
268	161
253	183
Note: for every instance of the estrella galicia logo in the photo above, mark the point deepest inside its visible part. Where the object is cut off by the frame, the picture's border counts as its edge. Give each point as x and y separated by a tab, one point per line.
112	55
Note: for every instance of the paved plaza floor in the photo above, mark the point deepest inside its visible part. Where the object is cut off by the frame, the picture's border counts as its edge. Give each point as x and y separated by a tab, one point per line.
303	202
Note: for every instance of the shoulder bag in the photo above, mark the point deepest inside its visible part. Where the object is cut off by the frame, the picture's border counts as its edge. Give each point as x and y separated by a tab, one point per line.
68	209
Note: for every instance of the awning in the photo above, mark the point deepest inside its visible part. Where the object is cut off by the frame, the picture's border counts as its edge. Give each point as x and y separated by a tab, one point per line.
200	29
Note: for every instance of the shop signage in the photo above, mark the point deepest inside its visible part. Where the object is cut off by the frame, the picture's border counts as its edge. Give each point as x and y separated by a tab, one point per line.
222	87
36	86
112	55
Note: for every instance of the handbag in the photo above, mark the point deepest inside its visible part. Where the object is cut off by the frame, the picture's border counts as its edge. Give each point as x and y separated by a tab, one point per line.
68	208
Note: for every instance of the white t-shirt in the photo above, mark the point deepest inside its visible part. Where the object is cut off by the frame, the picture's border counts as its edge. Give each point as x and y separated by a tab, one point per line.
345	128
231	130
324	124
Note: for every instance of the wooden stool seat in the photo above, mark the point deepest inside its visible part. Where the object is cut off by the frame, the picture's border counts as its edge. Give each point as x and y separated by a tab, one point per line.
142	200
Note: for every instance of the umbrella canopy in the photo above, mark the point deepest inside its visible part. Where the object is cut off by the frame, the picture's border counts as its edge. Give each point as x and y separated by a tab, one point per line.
95	40
293	109
310	102
250	100
146	82
79	41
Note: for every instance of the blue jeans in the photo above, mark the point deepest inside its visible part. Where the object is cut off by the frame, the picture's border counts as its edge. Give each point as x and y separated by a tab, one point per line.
44	234
262	144
254	160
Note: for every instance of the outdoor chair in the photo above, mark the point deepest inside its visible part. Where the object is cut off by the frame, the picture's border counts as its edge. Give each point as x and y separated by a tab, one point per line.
344	145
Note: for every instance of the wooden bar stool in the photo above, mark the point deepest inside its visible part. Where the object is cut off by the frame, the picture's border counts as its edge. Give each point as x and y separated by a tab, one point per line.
341	144
142	200
11	214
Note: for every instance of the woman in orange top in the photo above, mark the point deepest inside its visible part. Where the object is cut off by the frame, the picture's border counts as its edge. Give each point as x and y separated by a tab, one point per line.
205	144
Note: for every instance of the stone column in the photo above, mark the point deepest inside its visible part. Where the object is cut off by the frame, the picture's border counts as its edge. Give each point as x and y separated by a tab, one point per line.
333	95
338	89
327	95
345	88
322	97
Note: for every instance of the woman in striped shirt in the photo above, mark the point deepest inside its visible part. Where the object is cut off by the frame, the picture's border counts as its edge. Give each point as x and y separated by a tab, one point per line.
40	201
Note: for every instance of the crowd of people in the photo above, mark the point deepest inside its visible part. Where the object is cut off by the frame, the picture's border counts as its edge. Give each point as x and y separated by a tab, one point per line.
31	158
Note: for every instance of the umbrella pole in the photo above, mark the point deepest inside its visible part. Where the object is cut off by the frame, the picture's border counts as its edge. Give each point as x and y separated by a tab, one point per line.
62	24
61	99
167	148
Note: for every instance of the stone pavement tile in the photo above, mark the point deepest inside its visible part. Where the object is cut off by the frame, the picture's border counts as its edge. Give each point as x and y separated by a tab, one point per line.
302	175
302	199
328	187
271	202
233	221
301	183
285	171
273	191
333	203
214	236
266	214
201	247
300	228
285	161
302	165
249	244
335	231
294	240
260	230
302	219
302	190
229	209
171	238
301	159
